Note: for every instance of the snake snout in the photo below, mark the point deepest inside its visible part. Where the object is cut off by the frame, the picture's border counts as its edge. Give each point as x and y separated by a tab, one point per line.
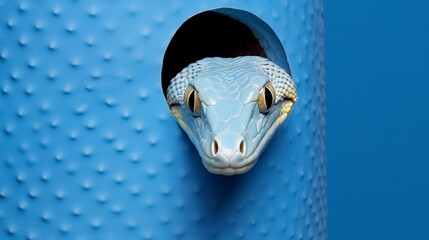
228	151
215	147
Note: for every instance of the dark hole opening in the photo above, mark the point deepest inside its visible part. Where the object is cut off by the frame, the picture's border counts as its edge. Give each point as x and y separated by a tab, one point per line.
208	34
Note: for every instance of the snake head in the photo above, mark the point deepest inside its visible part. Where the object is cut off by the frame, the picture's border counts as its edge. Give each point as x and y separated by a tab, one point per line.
230	108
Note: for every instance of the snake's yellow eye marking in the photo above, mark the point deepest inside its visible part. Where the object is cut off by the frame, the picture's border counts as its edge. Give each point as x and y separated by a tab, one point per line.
267	98
192	100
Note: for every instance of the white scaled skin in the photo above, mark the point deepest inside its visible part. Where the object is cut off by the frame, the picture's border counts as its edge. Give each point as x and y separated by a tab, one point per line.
230	108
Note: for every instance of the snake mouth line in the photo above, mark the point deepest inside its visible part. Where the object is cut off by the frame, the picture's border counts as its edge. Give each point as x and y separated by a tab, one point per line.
230	170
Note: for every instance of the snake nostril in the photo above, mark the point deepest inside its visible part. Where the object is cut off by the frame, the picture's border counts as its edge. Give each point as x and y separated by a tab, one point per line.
242	147
215	147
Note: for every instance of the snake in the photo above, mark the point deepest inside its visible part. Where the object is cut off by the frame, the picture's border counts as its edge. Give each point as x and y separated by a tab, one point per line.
230	108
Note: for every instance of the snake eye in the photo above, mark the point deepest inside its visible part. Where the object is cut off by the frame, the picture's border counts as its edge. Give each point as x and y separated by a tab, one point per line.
267	98
192	100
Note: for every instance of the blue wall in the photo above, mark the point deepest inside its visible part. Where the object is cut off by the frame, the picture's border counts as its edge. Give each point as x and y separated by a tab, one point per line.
89	149
377	119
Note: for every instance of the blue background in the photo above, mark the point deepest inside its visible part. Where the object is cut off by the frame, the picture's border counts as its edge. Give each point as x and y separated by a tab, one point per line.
378	152
377	119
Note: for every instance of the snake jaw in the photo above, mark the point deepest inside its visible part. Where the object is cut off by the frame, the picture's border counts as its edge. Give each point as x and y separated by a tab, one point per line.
286	108
230	132
229	170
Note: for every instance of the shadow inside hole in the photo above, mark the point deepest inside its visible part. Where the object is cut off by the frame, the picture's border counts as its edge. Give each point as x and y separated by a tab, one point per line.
208	34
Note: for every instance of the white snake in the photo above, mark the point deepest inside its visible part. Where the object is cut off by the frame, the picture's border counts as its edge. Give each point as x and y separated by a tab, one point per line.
230	108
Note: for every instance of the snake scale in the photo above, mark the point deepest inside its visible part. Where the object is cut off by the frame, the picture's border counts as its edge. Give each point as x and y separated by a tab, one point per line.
230	108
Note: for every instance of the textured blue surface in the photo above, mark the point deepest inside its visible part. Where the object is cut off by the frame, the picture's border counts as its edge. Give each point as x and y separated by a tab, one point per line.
89	149
377	131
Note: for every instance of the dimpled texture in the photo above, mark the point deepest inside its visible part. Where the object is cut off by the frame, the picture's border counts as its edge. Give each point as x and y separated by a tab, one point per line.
89	149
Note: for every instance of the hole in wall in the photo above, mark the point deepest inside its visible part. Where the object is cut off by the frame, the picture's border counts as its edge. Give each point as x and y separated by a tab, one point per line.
223	32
